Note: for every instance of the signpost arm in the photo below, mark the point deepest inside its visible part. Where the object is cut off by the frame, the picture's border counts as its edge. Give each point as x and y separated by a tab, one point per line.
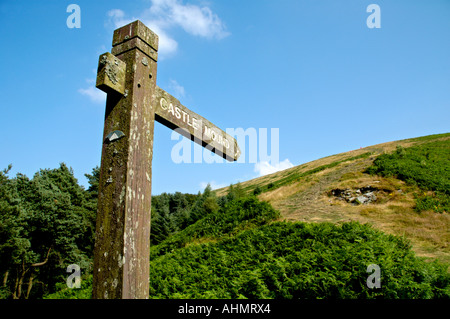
171	113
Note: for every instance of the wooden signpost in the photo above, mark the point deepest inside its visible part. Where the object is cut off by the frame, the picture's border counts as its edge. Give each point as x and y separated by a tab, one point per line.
134	102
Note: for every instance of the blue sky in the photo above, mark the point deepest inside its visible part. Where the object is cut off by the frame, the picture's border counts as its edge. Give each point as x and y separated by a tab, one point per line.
313	70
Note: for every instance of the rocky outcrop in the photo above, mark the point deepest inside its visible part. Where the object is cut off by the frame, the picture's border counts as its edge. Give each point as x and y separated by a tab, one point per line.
360	196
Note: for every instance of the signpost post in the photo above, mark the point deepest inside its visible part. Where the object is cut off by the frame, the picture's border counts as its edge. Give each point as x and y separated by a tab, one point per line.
134	102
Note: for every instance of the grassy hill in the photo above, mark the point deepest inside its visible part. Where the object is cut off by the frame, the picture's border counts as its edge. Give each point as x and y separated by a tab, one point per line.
241	251
311	231
405	205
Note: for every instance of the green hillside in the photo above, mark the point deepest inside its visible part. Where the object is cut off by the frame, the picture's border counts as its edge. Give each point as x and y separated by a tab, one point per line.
307	232
239	251
297	260
409	178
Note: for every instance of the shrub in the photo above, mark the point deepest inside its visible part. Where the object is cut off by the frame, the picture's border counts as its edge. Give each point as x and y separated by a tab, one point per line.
235	216
298	260
287	260
257	191
426	166
84	292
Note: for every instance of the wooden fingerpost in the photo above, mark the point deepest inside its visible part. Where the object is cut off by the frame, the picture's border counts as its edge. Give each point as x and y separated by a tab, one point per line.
134	102
122	245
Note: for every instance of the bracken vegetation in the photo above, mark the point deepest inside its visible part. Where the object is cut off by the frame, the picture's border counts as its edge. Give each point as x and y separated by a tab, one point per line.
298	260
230	246
427	166
240	251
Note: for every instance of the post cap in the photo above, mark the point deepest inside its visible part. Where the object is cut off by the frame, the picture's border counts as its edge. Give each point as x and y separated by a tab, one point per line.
133	30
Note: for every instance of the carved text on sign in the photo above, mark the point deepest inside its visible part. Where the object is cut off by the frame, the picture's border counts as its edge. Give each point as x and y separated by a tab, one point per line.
201	129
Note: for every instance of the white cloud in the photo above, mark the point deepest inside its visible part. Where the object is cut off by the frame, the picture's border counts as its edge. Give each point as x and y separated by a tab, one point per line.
167	45
195	20
116	13
213	184
177	89
264	168
117	18
94	94
164	15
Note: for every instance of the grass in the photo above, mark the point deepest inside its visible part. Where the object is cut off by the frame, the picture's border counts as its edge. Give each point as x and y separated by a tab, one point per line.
240	259
295	177
301	194
294	174
395	213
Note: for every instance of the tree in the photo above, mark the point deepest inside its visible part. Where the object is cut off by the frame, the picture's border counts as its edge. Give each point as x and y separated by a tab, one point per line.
93	180
12	241
45	225
205	204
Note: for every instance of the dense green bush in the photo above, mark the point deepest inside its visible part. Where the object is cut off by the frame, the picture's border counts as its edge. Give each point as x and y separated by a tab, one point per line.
63	292
234	216
286	260
427	166
438	202
257	190
298	260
